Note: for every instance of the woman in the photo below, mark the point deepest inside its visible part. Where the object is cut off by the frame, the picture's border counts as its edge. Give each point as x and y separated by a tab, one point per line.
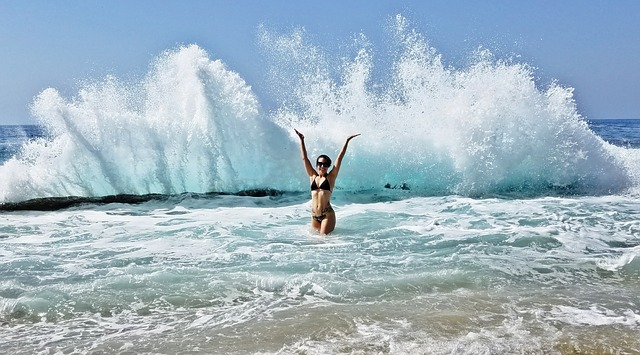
323	218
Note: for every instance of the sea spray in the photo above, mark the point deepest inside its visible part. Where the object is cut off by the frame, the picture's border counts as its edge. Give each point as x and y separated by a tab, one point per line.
483	129
191	125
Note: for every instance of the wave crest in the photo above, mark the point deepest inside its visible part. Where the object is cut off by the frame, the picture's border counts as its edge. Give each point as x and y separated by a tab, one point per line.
192	125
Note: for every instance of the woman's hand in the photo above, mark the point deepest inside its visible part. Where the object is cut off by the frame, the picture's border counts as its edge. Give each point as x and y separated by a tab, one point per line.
351	137
299	134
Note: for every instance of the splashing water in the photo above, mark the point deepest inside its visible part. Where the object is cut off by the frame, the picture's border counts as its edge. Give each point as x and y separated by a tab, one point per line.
194	126
190	125
483	129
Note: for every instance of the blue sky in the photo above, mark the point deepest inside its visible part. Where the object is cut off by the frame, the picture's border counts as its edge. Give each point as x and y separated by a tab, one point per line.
593	46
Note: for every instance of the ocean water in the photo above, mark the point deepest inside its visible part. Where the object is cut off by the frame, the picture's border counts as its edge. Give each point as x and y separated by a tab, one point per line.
171	214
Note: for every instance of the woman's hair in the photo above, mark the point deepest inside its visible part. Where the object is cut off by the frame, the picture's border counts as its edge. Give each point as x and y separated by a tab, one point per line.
326	158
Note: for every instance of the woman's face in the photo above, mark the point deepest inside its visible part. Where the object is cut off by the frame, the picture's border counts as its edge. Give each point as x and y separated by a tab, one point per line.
322	165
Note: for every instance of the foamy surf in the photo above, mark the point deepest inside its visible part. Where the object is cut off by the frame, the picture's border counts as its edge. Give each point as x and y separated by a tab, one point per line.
243	275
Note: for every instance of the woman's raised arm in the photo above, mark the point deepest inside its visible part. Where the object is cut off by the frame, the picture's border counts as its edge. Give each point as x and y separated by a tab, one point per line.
303	150
336	166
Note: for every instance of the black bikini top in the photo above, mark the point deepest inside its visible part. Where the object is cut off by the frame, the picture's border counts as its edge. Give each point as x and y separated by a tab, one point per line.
324	186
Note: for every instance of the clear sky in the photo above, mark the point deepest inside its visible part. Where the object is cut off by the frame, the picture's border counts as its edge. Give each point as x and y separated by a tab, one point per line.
592	46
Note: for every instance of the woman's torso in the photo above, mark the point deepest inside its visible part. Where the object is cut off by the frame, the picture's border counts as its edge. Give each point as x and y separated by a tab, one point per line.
320	193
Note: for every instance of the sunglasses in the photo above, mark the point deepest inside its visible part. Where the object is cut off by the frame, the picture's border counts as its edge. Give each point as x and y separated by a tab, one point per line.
324	163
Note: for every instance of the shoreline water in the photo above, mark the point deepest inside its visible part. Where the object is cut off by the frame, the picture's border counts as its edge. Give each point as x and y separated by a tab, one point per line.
245	275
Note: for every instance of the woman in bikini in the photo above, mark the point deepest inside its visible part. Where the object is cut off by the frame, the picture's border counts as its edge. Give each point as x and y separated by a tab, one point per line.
323	218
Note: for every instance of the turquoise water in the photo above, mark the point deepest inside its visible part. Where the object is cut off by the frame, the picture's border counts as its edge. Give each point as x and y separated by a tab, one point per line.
519	232
246	275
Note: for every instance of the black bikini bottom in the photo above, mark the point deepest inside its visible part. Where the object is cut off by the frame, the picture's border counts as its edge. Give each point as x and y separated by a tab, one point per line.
321	217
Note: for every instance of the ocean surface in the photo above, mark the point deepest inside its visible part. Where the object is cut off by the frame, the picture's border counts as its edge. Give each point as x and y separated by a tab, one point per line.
478	212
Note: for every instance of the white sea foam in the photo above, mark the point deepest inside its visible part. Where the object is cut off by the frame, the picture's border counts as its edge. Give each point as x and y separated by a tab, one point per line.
596	316
629	260
199	270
